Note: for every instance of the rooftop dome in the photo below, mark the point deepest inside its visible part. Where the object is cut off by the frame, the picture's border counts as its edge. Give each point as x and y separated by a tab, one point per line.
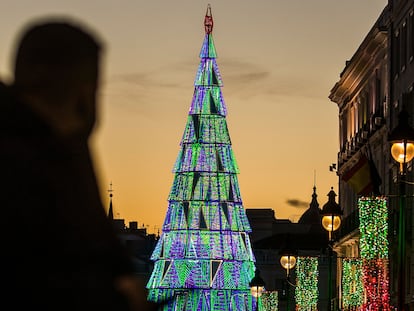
312	215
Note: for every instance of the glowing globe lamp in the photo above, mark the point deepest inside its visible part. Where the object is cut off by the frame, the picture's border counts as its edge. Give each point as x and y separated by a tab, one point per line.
288	257
402	152
331	222
257	285
402	140
331	214
288	262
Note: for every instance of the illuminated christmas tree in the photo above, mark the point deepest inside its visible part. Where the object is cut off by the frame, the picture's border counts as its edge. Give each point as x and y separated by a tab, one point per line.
203	260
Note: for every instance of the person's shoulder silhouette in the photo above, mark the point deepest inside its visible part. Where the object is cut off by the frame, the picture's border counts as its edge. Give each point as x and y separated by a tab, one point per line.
60	248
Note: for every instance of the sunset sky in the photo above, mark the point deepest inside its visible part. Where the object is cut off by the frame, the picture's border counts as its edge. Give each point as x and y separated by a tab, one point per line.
278	60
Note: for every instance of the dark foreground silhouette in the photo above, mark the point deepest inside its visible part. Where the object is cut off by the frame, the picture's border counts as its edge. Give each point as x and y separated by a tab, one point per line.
58	248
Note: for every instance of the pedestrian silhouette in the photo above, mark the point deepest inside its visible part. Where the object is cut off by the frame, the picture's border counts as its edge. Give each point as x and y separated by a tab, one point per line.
59	251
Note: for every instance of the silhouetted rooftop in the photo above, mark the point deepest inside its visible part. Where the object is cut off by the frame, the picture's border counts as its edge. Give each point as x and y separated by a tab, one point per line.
312	240
312	215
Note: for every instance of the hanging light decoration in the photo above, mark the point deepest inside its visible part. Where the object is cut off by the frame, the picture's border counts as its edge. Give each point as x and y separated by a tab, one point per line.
352	283
373	220
373	226
270	300
306	290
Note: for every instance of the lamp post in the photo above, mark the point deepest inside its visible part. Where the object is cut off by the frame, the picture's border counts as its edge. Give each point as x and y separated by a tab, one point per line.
257	287
402	150
331	221
288	262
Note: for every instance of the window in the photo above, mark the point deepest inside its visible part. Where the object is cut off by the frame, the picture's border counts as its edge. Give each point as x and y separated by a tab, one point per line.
396	52
411	37
378	97
403	50
352	119
343	129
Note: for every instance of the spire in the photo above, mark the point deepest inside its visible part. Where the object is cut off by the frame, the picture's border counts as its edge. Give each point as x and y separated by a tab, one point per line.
314	204
111	210
312	214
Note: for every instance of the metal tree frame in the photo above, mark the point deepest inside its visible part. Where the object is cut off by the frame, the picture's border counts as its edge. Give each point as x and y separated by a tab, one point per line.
203	260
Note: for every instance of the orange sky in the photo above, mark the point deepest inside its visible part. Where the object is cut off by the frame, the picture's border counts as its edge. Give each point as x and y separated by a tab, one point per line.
278	61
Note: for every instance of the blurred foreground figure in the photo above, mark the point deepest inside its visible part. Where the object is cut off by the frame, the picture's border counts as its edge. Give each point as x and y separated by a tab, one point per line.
58	248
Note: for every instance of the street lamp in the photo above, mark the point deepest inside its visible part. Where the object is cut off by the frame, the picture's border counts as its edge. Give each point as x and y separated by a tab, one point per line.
257	287
402	141
331	221
331	215
288	262
402	150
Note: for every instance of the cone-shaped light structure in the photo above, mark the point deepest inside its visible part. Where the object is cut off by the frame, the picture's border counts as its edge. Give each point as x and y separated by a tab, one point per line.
203	260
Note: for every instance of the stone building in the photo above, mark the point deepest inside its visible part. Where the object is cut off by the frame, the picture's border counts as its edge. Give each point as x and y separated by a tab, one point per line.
374	87
362	96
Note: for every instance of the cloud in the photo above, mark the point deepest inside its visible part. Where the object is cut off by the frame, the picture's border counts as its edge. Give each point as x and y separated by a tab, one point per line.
240	72
181	75
249	80
250	77
297	203
244	81
153	80
145	92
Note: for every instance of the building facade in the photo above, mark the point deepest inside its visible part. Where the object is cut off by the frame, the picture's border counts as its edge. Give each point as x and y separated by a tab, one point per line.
375	85
362	97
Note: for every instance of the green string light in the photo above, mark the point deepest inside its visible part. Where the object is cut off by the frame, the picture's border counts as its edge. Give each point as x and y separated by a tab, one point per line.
373	219
306	291
352	286
269	301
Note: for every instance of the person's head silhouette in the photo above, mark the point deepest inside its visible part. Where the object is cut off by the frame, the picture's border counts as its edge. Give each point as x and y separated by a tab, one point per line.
56	73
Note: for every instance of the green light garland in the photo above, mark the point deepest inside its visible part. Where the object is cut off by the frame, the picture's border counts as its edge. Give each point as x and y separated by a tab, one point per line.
269	301
373	219
306	291
352	286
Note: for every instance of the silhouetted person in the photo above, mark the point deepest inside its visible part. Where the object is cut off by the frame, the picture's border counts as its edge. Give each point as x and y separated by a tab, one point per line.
58	250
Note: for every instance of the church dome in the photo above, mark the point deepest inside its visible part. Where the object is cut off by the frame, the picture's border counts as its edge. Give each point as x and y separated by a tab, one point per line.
312	215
